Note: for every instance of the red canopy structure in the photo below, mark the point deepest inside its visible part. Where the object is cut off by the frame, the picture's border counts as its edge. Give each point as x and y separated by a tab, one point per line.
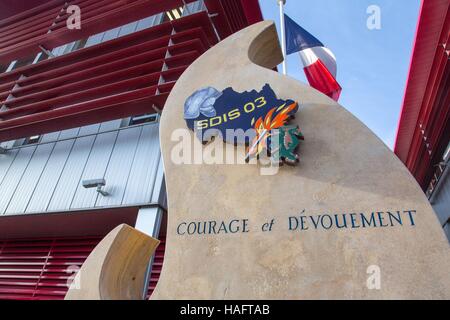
128	76
424	127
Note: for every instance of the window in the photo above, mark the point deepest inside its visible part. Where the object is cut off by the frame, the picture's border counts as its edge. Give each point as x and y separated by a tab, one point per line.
174	14
27	141
146	118
95	39
31	140
40	57
194	7
128	28
447	153
69	47
150	21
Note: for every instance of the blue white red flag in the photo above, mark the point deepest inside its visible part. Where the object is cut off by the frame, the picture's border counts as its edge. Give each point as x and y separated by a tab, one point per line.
318	61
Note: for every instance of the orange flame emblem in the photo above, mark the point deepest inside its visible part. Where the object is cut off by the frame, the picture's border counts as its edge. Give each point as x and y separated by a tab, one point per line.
263	127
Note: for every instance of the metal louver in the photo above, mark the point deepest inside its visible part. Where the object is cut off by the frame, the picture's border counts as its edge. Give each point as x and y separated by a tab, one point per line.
40	269
127	76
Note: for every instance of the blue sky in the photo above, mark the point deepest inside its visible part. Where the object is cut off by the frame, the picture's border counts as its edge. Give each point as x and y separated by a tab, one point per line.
372	64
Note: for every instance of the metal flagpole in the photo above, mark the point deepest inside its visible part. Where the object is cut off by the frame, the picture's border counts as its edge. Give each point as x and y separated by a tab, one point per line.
281	4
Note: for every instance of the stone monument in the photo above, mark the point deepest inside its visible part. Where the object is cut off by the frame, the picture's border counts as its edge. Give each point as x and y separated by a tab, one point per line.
347	222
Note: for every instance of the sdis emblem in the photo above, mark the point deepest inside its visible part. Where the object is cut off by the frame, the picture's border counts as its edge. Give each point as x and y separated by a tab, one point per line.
254	118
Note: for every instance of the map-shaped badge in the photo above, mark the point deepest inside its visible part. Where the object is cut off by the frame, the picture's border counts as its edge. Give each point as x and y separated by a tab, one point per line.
252	117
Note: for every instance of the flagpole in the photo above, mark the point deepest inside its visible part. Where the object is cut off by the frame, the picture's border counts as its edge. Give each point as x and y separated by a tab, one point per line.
281	4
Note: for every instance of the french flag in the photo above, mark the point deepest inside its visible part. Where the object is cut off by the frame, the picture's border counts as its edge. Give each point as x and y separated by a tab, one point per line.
319	62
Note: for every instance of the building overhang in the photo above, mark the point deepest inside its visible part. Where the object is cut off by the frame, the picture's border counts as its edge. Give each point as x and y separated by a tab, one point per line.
110	80
425	110
24	29
66	224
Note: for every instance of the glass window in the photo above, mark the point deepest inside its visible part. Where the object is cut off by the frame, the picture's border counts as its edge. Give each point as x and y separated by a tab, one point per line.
32	139
145	118
40	57
174	14
27	141
95	39
69	47
194	7
73	46
447	153
111	34
80	44
128	28
58	51
150	21
146	23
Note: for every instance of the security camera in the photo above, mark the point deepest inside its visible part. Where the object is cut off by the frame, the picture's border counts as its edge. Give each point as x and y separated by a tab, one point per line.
96	183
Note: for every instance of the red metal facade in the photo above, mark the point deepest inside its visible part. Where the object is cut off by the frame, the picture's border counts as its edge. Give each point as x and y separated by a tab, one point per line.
10	8
116	79
424	126
46	25
39	269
